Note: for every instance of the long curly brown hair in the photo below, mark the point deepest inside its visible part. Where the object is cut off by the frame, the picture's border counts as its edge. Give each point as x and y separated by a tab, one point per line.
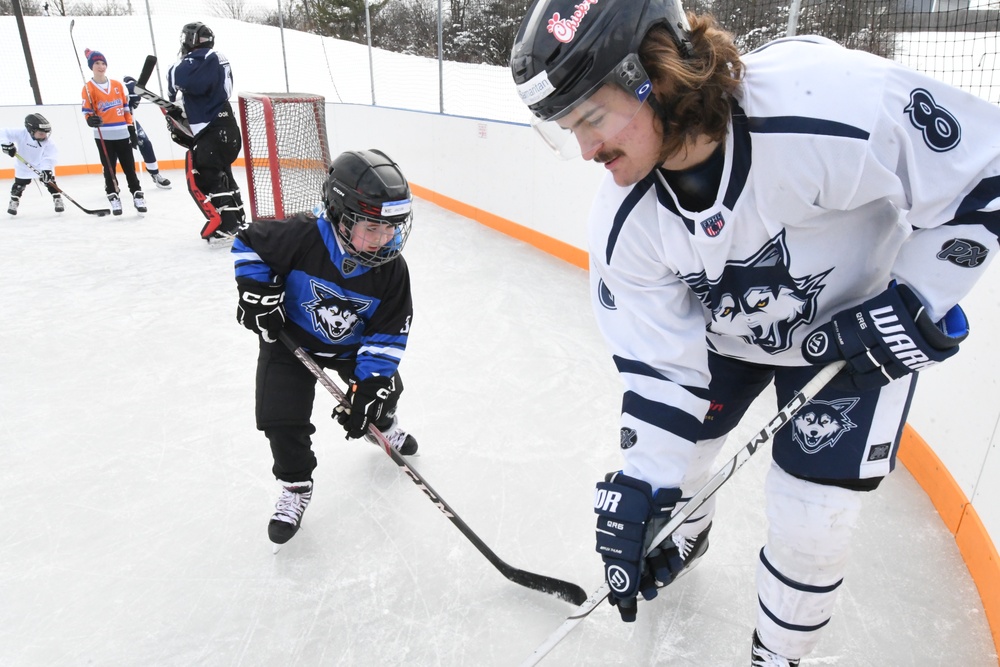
694	91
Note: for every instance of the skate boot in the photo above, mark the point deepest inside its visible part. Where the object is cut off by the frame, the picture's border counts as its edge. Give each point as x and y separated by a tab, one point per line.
288	511
139	200
401	441
15	201
57	202
159	180
116	203
761	656
691	549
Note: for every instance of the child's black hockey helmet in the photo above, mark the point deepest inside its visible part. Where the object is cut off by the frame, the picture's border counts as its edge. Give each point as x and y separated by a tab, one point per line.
367	186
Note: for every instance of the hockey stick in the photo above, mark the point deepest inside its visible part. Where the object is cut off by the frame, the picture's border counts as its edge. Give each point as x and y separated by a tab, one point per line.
99	212
93	108
684	512
562	589
173	111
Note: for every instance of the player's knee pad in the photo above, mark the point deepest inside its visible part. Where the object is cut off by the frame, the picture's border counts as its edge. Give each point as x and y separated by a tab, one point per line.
802	567
17	189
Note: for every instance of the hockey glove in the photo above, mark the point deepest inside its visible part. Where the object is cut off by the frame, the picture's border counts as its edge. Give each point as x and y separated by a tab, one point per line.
367	403
629	515
93	120
885	338
133	138
47	176
9	149
261	308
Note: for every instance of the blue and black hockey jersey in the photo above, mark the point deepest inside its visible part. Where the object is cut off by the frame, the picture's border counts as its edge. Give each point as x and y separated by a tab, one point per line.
336	308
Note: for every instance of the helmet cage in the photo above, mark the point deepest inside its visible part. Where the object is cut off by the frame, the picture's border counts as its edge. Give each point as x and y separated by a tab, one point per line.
599	114
400	225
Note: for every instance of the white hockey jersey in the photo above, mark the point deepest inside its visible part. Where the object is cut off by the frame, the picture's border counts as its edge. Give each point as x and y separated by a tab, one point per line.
842	172
41	154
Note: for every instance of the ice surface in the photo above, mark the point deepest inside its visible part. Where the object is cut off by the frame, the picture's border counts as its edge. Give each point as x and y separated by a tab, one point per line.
135	491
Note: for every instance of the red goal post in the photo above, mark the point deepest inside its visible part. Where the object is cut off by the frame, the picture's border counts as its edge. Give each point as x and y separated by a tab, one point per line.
286	152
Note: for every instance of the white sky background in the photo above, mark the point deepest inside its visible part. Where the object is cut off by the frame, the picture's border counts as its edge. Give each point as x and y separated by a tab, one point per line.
136	491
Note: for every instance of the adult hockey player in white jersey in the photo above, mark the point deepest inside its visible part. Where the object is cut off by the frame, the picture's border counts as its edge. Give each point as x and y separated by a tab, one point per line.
761	214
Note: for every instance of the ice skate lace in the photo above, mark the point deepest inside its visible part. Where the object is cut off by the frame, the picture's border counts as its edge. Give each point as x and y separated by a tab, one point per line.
291	505
396	438
684	544
762	657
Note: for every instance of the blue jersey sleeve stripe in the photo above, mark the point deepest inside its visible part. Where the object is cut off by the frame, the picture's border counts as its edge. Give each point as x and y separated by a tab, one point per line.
804	125
630	203
666	417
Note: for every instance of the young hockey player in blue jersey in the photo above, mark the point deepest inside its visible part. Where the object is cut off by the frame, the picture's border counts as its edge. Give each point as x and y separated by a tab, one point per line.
33	144
761	215
144	144
202	82
341	288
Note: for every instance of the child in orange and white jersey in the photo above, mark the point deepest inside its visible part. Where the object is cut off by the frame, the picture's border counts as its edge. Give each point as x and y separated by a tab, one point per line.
106	108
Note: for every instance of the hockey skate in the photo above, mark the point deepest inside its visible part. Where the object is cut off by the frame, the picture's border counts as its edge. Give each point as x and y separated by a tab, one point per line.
15	201
288	511
761	656
160	181
57	203
116	203
401	441
139	200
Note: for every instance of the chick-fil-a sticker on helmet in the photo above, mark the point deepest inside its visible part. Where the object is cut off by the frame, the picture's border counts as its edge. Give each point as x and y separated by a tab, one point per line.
565	29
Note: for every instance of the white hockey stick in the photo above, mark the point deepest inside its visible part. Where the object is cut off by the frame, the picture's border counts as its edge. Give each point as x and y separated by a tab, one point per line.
697	500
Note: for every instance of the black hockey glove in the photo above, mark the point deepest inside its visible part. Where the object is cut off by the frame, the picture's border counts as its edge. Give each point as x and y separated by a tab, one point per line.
629	515
133	138
47	176
9	149
885	338
94	120
367	399
261	308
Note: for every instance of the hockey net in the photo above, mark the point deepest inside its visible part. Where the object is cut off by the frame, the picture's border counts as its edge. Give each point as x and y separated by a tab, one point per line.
286	152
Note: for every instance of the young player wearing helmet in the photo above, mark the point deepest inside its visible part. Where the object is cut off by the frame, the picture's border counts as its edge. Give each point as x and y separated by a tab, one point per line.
33	144
724	246
341	288
202	82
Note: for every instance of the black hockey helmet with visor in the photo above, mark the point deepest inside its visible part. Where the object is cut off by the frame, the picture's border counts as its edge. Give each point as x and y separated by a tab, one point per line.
196	35
36	122
576	66
367	189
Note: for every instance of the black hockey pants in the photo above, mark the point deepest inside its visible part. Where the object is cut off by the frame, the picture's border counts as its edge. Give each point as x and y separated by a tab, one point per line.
284	403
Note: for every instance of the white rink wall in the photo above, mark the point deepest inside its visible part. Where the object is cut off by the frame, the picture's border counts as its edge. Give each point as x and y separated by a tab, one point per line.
498	167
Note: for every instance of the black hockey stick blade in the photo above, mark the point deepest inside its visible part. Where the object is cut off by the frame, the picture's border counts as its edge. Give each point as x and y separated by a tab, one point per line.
99	212
562	589
147	71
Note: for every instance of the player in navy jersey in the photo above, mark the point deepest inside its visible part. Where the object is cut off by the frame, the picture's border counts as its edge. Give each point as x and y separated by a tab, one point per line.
762	214
340	287
202	81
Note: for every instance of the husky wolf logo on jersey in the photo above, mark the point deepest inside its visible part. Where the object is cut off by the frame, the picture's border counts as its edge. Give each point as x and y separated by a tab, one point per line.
821	423
758	299
334	314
